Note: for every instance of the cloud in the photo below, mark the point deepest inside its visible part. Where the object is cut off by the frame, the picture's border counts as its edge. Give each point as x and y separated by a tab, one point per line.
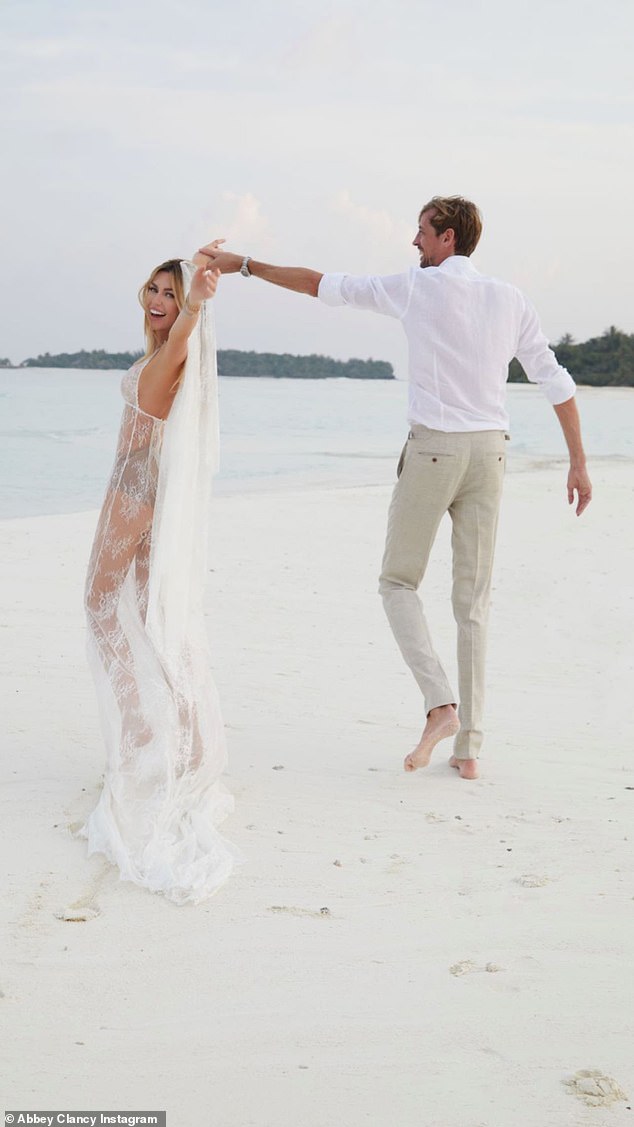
313	135
239	219
381	227
324	47
246	221
43	48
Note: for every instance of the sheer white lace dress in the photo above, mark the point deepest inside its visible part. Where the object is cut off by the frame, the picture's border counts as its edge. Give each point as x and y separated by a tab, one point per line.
165	746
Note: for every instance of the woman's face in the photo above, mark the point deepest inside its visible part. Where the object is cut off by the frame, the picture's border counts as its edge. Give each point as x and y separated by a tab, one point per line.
160	303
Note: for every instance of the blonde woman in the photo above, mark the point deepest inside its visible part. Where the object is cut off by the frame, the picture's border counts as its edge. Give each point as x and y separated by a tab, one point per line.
165	748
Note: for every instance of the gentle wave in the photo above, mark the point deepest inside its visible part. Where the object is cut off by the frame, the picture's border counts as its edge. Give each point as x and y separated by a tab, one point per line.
54	435
59	430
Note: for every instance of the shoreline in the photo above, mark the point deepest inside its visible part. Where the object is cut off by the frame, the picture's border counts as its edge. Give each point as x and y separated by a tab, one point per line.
267	490
280	486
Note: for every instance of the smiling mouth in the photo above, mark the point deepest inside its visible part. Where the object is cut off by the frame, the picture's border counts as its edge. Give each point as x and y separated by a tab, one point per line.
155	313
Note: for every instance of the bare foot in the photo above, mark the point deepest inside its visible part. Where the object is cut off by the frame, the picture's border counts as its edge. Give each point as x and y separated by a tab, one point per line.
441	723
468	768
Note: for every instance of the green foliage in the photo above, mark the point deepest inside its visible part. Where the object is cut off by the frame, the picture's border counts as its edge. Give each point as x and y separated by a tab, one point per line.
99	359
605	361
5	363
234	363
285	366
517	373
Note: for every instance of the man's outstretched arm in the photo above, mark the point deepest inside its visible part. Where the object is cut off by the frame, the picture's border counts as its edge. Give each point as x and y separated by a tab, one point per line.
578	479
296	278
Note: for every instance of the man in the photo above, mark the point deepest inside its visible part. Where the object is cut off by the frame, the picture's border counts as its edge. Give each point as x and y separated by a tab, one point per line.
462	329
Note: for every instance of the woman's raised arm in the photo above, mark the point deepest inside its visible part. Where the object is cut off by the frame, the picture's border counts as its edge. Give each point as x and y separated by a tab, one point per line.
158	381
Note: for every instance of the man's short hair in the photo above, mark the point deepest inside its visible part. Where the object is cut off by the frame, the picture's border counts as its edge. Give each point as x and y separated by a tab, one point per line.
461	216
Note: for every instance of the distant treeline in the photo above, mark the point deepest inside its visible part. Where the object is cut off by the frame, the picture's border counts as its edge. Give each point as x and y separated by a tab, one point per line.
232	363
605	361
98	359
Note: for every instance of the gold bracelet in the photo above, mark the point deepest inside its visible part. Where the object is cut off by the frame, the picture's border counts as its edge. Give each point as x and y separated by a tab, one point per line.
190	310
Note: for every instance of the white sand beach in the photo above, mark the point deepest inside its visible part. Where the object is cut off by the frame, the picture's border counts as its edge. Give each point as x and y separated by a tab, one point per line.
407	950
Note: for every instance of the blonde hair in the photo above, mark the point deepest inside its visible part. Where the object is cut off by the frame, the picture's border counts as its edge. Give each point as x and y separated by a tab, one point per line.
172	267
461	216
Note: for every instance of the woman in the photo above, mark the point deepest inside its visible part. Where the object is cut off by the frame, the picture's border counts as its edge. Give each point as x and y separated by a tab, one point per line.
159	708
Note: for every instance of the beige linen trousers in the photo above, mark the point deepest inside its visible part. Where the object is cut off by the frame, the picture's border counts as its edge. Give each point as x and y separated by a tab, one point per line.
462	474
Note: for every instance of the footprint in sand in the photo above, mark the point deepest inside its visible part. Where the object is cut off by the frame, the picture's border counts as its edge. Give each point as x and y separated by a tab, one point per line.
32	915
86	908
467	966
300	911
396	863
594	1088
532	880
81	911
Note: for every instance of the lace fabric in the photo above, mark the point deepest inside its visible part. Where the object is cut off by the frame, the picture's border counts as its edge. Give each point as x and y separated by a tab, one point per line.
165	746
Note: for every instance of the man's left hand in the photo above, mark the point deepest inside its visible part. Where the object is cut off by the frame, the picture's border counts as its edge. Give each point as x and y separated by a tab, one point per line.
579	482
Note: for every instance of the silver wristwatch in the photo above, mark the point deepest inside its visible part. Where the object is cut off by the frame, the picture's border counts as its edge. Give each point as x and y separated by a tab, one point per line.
244	269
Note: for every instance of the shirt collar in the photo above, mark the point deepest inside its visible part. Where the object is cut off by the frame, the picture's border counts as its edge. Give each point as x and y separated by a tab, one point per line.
457	264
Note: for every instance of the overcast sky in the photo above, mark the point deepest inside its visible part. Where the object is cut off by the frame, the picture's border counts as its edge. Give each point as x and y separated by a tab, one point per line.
309	134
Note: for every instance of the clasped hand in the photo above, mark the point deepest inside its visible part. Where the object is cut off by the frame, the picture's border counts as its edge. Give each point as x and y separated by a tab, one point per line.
223	261
205	280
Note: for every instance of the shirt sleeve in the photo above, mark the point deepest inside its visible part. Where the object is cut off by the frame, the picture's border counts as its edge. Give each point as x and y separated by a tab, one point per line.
539	361
389	294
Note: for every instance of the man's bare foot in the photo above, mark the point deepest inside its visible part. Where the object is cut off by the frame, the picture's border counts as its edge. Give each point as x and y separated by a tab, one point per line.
441	723
468	768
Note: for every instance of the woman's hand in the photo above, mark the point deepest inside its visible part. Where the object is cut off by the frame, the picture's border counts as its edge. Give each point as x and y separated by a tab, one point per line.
201	257
224	260
204	284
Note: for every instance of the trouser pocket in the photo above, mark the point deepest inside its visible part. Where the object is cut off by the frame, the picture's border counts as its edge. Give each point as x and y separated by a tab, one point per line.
401	461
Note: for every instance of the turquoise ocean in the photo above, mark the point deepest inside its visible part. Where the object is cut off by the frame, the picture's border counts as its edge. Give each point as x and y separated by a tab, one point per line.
58	430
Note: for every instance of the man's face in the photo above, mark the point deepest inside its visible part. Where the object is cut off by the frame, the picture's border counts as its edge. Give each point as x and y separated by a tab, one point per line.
433	248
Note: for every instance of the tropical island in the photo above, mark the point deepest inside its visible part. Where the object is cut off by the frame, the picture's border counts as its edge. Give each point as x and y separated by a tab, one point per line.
232	362
604	361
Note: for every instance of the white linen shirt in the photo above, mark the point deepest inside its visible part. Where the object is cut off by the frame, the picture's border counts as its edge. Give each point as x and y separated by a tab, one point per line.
463	329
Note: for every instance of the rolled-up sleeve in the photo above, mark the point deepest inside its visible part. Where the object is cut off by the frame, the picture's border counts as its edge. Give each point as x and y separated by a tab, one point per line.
330	289
389	294
539	361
